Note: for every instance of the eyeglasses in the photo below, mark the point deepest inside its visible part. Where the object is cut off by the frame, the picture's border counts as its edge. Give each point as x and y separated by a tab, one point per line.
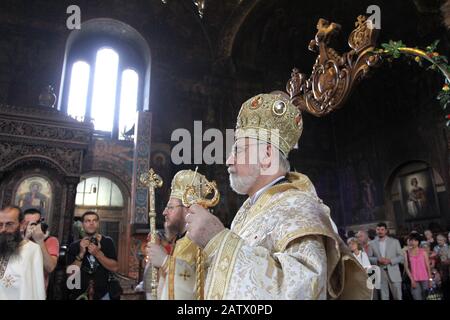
170	208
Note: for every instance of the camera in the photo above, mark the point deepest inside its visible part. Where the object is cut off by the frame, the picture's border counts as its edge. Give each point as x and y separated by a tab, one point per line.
44	226
94	240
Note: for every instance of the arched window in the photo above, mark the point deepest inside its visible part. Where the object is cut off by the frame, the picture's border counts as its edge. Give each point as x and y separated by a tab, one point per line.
98	192
106	76
128	100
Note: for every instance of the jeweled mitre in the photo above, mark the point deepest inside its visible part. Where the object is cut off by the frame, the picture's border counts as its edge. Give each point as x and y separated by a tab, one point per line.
270	118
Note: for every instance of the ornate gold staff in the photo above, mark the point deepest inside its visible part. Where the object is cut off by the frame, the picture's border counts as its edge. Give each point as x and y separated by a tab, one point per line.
192	196
152	181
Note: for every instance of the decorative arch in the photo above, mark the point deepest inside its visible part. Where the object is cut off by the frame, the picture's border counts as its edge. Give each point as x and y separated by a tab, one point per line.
237	19
34	160
414	193
37	167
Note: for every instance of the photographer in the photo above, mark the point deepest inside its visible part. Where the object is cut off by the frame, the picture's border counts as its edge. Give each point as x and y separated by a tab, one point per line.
96	256
37	231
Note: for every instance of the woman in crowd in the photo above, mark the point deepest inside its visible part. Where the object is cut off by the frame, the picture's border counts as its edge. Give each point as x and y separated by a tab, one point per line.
417	267
358	252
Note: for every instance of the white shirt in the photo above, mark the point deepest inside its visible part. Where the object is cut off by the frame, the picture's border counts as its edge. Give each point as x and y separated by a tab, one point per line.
383	247
363	259
21	277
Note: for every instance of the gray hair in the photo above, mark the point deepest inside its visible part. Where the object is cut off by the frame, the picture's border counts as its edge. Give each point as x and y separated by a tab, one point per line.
354	240
284	163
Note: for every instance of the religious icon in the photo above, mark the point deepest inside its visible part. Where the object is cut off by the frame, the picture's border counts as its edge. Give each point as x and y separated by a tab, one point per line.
34	192
417	199
419	195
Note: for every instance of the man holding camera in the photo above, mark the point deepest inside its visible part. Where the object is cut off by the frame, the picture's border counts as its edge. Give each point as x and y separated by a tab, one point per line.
37	231
96	257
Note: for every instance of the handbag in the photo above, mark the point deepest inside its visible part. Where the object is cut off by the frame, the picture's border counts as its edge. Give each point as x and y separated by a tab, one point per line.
114	288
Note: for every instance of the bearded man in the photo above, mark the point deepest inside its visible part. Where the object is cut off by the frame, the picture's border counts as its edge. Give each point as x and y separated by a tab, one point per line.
21	262
182	272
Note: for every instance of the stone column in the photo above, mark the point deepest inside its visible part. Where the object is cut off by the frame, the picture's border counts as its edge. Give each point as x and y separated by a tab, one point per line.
68	208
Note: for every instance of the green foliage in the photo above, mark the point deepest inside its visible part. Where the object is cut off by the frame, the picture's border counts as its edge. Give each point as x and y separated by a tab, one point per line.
392	50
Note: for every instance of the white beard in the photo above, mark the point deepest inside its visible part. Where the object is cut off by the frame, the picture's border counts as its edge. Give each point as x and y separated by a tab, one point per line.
241	185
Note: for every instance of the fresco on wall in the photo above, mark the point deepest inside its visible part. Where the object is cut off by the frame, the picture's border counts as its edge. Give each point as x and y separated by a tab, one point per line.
115	157
362	191
418	195
35	192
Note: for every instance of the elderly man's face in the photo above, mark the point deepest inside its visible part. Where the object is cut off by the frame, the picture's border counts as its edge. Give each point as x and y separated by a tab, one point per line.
244	164
440	240
10	235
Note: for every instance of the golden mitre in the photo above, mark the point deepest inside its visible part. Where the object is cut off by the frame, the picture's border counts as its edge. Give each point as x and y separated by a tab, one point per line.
270	118
186	178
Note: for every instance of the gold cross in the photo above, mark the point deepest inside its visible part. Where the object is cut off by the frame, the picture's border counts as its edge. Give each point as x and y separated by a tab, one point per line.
185	275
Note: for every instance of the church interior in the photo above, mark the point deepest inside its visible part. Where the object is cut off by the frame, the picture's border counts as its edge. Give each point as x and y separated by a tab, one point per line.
85	109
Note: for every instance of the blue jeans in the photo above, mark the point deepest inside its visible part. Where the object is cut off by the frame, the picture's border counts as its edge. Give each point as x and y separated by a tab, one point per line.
419	292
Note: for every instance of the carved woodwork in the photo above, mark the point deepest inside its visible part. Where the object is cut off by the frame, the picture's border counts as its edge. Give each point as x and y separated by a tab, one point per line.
334	75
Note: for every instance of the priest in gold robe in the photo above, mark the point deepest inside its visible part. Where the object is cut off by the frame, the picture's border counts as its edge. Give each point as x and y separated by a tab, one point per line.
182	272
282	243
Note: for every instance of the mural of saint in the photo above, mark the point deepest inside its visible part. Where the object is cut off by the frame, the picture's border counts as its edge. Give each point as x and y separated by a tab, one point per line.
34	193
417	198
368	203
368	193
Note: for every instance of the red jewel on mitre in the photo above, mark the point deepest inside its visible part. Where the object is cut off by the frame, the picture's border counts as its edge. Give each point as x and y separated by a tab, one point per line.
256	102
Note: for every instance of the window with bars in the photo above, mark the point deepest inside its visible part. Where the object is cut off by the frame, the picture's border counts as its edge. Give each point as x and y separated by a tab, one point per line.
98	192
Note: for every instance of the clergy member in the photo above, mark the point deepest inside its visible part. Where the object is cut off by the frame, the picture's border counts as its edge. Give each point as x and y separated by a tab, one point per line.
281	244
182	273
21	262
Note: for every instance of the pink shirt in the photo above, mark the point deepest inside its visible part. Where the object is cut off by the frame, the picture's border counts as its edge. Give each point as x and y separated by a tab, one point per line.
418	266
52	245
